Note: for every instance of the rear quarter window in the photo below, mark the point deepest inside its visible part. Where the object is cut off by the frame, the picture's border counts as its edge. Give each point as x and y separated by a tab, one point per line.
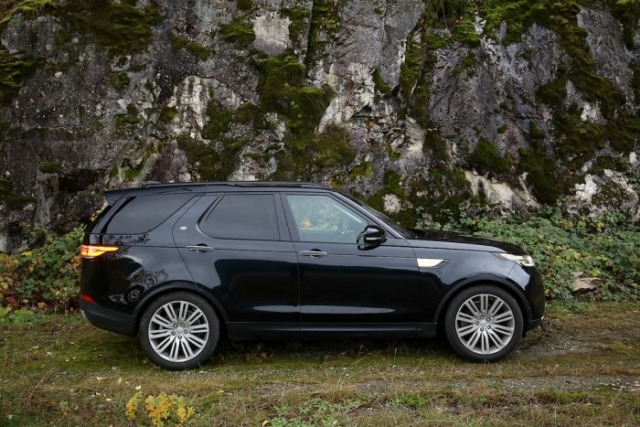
144	213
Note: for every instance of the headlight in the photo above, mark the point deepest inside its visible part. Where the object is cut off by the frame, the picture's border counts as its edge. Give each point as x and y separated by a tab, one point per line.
524	260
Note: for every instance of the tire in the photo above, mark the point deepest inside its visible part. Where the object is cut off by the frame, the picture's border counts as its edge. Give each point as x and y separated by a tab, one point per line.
179	331
483	323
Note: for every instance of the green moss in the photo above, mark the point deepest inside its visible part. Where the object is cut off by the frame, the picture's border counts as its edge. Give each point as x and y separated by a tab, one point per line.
635	82
464	31
167	114
220	120
411	68
325	18
486	159
307	155
9	197
542	174
118	26
14	70
244	4
535	132
48	167
125	123
437	146
115	171
299	22
27	8
502	128
210	164
628	13
281	88
196	49
364	169
247	113
378	11
238	32
118	80
467	64
379	83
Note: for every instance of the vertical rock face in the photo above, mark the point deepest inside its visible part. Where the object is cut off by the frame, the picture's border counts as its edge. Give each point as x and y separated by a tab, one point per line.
400	102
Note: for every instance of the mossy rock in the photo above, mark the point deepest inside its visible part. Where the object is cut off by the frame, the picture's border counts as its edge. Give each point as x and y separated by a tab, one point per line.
196	49
238	32
487	160
48	167
118	26
10	198
14	70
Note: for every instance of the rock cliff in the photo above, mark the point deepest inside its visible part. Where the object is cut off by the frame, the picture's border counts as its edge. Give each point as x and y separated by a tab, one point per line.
405	103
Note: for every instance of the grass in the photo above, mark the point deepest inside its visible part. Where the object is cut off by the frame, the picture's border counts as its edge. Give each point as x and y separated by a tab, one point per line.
582	368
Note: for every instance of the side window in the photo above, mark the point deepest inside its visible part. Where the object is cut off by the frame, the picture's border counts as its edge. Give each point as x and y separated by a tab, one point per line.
144	213
323	219
243	216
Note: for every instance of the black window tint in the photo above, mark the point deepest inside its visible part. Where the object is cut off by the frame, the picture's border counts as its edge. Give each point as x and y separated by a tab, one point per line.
243	216
144	213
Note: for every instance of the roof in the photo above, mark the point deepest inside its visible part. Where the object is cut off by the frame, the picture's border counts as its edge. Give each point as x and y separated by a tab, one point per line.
155	187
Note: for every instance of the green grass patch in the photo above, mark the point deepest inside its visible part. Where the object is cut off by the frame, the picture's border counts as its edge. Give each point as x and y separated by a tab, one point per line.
58	370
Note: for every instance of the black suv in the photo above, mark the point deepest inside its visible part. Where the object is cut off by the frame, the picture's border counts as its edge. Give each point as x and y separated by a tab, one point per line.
182	264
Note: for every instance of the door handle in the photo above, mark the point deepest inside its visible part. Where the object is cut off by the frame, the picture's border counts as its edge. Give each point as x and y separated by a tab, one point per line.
200	248
314	253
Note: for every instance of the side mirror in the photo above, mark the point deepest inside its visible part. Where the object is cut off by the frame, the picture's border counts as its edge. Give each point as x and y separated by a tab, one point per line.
372	235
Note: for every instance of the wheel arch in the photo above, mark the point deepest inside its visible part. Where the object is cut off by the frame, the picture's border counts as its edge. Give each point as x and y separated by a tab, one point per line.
167	288
514	290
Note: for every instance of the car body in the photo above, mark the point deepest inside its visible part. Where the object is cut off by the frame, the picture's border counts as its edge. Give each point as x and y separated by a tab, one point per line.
181	264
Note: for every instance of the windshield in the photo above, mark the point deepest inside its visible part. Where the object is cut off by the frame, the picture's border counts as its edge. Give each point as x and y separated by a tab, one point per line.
384	218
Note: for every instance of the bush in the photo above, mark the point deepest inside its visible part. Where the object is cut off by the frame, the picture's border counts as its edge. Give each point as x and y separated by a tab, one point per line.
565	247
45	277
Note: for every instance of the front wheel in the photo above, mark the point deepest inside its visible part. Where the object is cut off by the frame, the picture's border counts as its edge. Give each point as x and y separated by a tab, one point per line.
484	323
179	331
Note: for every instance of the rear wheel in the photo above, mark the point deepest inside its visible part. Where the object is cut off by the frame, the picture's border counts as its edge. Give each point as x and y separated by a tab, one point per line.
179	331
484	323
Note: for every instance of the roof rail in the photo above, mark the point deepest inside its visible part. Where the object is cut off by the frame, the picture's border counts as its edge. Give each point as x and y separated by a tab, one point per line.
296	184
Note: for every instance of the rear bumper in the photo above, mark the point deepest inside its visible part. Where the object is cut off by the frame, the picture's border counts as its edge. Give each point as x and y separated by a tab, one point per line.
110	320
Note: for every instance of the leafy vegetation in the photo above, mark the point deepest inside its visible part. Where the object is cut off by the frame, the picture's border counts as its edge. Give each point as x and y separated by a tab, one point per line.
44	277
567	247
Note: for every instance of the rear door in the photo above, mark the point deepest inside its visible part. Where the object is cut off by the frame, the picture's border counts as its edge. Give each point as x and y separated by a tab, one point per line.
237	245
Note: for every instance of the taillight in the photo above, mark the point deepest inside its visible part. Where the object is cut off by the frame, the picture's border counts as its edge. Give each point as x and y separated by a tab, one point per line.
92	251
87	298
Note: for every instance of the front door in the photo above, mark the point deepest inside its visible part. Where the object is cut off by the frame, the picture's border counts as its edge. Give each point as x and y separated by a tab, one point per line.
345	287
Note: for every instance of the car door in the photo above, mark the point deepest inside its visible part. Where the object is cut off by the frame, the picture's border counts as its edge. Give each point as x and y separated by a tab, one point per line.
344	286
237	245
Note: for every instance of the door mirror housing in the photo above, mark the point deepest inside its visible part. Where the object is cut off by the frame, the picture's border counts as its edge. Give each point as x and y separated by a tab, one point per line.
372	235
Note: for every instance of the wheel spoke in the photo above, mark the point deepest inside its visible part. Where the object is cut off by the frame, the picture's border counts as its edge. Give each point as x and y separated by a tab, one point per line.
199	329
505	330
198	342
464	317
471	343
495	307
196	315
472	307
507	316
496	339
160	348
159	333
466	330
